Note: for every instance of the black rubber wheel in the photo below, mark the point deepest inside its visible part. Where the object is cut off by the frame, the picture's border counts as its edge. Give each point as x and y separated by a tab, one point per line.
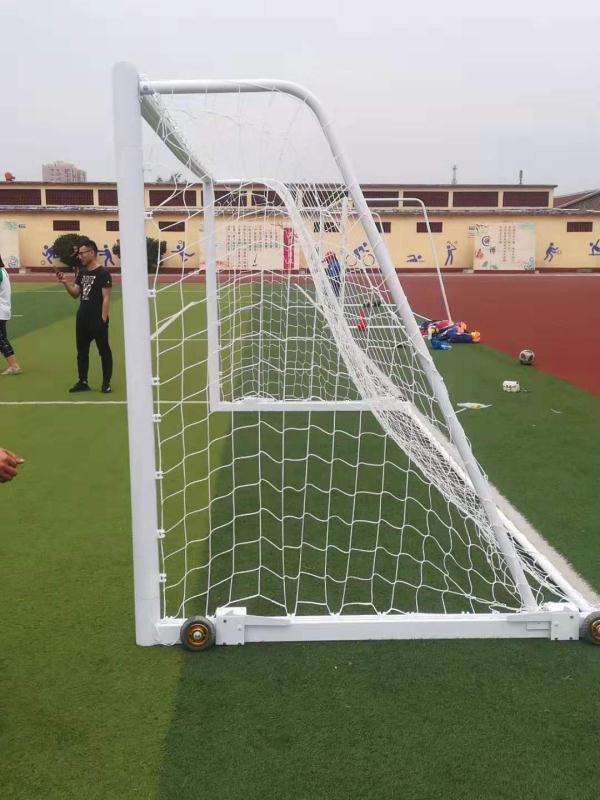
590	628
197	633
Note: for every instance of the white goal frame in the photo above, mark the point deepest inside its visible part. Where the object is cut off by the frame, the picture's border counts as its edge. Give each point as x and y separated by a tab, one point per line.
132	101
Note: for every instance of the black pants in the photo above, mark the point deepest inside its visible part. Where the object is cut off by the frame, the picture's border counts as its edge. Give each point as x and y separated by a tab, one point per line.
88	331
5	346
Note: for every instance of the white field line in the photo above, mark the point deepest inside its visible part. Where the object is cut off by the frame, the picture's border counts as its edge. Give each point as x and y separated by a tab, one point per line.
526	534
93	402
171	320
63	402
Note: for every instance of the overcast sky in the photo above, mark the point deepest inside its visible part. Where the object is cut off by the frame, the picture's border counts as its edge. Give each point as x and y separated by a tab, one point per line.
413	87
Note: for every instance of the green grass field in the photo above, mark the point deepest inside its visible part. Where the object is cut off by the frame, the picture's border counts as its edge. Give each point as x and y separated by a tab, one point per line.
87	713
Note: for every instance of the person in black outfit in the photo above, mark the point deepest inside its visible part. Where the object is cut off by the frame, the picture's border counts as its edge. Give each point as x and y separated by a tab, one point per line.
92	286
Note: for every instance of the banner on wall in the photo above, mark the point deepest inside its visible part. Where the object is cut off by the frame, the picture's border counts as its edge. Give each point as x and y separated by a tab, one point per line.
504	246
242	246
9	244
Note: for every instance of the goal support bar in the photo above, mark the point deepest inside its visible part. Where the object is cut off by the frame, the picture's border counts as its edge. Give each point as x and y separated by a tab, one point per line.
556	621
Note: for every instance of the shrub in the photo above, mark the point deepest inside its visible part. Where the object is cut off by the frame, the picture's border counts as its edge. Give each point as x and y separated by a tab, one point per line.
66	246
151	251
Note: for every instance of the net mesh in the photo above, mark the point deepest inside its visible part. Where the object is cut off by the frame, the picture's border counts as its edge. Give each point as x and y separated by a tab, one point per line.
320	476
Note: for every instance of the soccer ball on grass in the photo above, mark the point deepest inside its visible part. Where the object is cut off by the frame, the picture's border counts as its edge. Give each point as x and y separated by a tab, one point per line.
526	357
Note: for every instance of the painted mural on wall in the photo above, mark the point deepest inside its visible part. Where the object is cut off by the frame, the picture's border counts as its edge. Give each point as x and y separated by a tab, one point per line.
505	246
551	251
360	255
106	254
256	246
48	255
595	248
451	248
414	258
180	250
9	244
473	230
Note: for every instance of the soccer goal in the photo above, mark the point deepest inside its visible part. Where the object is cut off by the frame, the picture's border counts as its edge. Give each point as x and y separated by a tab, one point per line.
297	469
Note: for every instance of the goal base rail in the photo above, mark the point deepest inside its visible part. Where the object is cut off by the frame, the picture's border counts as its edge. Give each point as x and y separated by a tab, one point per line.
233	626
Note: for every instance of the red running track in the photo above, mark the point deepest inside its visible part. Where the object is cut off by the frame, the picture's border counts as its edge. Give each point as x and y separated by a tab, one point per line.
556	316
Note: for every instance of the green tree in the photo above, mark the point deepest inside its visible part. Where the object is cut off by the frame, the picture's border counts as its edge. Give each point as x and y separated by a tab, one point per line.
66	246
151	251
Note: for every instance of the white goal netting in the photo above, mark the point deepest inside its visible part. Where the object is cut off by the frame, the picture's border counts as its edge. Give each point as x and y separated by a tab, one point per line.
305	464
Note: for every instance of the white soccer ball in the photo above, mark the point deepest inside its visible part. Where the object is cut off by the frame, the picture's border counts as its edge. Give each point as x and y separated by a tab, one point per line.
527	357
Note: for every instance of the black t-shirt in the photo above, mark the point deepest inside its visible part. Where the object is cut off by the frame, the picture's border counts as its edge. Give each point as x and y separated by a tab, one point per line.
90	300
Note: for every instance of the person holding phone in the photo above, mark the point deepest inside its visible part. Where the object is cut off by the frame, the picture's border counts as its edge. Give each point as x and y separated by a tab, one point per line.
92	287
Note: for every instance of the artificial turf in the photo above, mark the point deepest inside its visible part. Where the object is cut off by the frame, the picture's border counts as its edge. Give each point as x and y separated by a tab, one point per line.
87	713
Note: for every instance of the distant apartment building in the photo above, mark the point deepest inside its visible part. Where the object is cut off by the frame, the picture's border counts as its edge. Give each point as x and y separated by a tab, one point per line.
63	172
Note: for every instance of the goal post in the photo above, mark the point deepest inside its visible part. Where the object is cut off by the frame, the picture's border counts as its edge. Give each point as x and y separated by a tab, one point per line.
260	511
136	324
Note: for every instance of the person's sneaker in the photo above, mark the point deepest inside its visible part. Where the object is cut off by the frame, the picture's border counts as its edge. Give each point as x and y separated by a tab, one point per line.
12	371
80	386
106	389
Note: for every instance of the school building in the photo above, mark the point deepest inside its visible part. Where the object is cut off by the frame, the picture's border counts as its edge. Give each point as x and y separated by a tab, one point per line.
475	227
